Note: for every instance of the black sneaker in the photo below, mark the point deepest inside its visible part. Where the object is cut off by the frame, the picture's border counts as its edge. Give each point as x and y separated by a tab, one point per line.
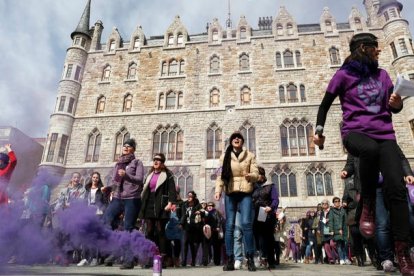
127	265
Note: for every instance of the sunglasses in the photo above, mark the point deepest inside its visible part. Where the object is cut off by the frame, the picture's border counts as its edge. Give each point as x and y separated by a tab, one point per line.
157	159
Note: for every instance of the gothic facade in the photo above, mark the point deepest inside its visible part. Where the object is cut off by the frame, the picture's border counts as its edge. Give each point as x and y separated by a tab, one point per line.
184	94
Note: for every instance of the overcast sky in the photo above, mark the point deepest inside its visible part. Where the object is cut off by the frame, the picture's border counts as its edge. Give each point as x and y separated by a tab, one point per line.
36	34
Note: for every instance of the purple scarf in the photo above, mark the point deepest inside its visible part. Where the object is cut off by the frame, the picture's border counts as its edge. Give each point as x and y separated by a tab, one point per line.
122	163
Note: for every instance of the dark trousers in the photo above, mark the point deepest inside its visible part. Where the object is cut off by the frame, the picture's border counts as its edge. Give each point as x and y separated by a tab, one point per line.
156	233
130	207
382	156
192	240
214	242
263	234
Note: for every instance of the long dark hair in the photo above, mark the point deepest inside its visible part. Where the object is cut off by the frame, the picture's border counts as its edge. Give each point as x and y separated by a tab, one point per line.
88	185
360	62
226	173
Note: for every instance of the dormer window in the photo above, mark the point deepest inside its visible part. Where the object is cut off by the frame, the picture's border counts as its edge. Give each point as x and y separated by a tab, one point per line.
136	43
215	36
180	39
170	40
289	27
328	25
112	46
243	33
279	28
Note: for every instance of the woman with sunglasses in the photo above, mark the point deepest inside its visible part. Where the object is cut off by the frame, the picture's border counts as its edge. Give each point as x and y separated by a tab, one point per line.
238	174
158	197
367	101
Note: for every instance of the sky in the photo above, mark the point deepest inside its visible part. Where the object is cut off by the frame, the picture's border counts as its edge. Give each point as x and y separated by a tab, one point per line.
36	34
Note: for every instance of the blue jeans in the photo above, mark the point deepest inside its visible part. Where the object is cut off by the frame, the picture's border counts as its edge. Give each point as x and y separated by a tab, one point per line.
130	207
244	203
383	229
238	238
340	246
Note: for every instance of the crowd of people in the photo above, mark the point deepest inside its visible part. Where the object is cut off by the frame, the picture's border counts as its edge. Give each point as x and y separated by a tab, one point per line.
372	216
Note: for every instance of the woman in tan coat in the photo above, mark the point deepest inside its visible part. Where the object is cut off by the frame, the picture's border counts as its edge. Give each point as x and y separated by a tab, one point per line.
238	173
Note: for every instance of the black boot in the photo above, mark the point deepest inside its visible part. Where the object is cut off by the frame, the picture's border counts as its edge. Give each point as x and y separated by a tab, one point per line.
360	260
229	266
250	262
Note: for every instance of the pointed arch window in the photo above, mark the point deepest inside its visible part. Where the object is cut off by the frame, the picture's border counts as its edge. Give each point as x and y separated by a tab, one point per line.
245	96
214	97
288	59
279	29
215	35
278	60
214	64
292	93
170	100
184	180
249	133
358	23
244	62
318	181
112	46
100	105
289	28
282	97
181	70
132	71
137	43
180	99
94	146
243	33
161	102
120	138
170	40
106	75
296	138
173	68
127	103
328	25
334	55
298	59
214	142
180	39
285	181
169	140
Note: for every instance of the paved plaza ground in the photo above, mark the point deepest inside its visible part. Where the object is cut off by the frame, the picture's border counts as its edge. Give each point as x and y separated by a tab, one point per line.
284	269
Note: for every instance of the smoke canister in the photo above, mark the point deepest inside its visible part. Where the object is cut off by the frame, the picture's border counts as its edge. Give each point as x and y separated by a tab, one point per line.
157	266
410	189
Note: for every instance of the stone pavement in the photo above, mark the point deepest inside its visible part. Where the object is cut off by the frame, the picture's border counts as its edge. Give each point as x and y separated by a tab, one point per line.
284	269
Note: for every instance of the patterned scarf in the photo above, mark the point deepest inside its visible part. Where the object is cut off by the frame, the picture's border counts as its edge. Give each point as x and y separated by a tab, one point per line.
122	163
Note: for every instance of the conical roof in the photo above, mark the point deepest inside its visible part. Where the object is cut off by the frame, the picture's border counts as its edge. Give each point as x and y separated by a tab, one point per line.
83	26
387	3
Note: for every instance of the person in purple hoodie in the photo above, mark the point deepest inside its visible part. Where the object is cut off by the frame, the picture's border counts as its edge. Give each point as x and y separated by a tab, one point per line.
127	184
367	101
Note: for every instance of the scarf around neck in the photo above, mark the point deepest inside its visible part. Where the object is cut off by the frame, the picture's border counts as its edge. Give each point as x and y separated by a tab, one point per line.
122	163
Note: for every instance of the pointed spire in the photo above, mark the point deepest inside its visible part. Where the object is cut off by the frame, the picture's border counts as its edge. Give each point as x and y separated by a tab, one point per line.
83	26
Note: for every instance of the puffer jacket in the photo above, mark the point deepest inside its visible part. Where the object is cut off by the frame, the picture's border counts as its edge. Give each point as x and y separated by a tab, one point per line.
244	163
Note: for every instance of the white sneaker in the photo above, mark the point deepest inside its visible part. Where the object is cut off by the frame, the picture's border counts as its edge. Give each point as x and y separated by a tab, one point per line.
388	266
237	264
341	262
83	262
348	262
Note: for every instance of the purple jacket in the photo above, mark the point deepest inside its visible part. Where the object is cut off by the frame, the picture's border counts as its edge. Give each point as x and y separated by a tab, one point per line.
132	182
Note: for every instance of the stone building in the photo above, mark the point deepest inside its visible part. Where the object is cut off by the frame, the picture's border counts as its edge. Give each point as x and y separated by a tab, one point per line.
184	94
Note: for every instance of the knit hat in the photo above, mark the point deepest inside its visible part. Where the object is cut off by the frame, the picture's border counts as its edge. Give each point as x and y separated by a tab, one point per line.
236	134
131	143
367	39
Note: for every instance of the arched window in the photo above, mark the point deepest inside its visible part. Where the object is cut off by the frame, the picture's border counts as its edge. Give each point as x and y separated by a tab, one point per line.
94	146
100	105
169	140
289	28
285	181
249	133
170	100
298	59
296	138
120	138
279	29
214	97
244	62
215	36
180	39
278	60
173	68
358	24
282	97
127	103
164	69
181	70
302	93
334	55
112	46
161	102
328	25
106	75
184	180
132	71
214	142
243	33
288	59
318	181
180	99
170	40
292	93
136	43
214	64
245	96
